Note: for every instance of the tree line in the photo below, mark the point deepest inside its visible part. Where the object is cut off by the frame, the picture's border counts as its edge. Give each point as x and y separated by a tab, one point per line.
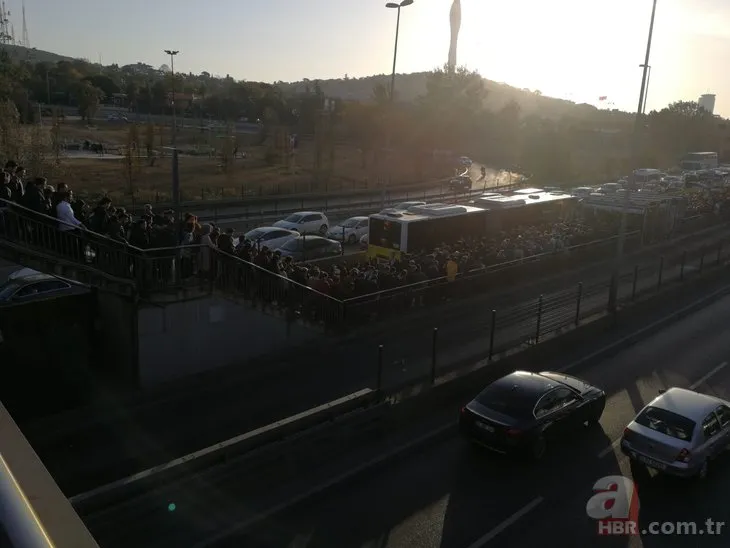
449	116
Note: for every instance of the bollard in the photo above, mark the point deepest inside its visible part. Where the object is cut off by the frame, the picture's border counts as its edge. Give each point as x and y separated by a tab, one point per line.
492	328
636	279
661	271
433	354
539	320
379	382
719	253
681	267
577	303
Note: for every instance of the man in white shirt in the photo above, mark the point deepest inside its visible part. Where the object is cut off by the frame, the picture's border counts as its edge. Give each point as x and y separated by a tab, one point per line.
65	214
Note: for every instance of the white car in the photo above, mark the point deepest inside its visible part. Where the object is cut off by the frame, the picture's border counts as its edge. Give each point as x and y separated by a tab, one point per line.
305	222
349	231
465	161
364	242
270	236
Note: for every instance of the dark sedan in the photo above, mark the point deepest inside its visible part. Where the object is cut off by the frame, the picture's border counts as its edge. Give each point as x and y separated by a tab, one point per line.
310	248
523	412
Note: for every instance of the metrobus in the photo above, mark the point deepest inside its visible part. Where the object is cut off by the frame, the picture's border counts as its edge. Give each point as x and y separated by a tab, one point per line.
423	228
698	161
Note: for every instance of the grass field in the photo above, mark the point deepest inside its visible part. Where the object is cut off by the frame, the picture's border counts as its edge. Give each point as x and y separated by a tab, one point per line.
202	170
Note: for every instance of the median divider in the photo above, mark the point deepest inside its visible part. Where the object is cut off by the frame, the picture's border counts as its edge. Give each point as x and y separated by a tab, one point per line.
293	436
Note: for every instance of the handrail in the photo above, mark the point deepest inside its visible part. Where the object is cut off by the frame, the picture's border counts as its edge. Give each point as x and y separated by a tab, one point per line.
485	270
17	514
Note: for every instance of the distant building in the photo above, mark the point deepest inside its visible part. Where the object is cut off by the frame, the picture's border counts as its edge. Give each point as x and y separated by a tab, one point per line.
707	102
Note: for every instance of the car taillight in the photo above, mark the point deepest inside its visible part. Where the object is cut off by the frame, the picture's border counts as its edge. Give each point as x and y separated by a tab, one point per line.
683	456
627	432
513	432
463	410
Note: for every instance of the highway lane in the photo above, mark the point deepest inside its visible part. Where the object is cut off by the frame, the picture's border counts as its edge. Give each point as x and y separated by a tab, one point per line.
451	496
375	199
170	428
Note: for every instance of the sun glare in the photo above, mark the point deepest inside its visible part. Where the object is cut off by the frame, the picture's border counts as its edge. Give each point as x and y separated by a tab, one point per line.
572	49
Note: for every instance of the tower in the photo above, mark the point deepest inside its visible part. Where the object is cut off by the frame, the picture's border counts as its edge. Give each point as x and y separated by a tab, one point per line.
26	40
707	102
5	31
455	18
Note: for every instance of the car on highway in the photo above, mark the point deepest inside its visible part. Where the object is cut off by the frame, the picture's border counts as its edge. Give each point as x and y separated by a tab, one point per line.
465	161
461	183
270	236
350	230
679	433
305	222
523	412
310	248
27	285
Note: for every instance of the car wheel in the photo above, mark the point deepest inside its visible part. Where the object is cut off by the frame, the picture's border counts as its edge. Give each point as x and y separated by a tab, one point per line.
323	230
351	239
538	448
704	469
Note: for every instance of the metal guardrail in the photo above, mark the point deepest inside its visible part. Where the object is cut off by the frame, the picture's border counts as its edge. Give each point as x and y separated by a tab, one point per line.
339	208
251	448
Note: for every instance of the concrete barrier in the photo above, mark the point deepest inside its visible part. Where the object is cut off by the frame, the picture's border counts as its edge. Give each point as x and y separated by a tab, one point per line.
260	444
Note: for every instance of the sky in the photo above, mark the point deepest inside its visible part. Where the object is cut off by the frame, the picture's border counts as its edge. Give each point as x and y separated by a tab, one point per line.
573	49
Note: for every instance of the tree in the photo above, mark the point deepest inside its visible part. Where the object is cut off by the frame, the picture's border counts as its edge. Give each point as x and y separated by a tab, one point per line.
88	97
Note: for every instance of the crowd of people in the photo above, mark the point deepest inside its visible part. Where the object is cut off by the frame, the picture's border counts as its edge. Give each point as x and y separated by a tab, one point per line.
204	248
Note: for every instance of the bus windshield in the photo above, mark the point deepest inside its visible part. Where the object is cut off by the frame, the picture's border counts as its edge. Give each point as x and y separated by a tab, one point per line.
385	233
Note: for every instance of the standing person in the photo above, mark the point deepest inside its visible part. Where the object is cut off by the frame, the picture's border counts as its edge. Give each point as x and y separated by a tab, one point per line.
69	227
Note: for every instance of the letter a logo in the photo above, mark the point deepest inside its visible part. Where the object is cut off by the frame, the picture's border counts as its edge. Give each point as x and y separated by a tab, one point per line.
616	498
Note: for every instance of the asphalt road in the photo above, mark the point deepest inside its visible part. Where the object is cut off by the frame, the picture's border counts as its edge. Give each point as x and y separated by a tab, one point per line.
88	455
451	496
445	494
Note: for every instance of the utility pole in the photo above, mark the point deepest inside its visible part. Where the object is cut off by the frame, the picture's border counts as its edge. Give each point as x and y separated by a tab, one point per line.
638	122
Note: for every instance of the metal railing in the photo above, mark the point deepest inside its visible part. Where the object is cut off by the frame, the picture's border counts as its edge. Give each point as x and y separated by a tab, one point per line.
505	330
208	269
473	282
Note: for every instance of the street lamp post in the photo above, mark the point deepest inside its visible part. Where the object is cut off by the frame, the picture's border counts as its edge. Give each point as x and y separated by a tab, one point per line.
172	54
646	92
397	6
175	158
613	293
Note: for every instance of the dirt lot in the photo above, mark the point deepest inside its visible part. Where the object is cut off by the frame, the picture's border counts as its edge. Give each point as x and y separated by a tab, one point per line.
202	170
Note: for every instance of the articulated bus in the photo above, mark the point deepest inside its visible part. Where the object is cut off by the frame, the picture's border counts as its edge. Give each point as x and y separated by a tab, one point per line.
423	228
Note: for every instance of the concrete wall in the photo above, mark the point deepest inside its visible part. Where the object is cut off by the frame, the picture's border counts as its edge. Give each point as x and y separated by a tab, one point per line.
206	333
116	325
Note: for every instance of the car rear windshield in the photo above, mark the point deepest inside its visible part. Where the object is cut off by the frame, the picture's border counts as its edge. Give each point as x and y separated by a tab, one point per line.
508	400
294	218
667	423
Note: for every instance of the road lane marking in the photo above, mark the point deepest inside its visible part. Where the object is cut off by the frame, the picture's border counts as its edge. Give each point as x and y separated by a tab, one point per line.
610	449
514	518
707	376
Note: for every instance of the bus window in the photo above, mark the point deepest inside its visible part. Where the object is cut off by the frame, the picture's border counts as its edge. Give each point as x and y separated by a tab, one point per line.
384	233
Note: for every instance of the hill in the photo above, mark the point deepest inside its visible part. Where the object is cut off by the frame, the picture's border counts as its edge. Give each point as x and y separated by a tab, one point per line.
33	55
410	86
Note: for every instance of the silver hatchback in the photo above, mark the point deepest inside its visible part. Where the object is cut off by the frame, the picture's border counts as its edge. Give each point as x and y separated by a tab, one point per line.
679	433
